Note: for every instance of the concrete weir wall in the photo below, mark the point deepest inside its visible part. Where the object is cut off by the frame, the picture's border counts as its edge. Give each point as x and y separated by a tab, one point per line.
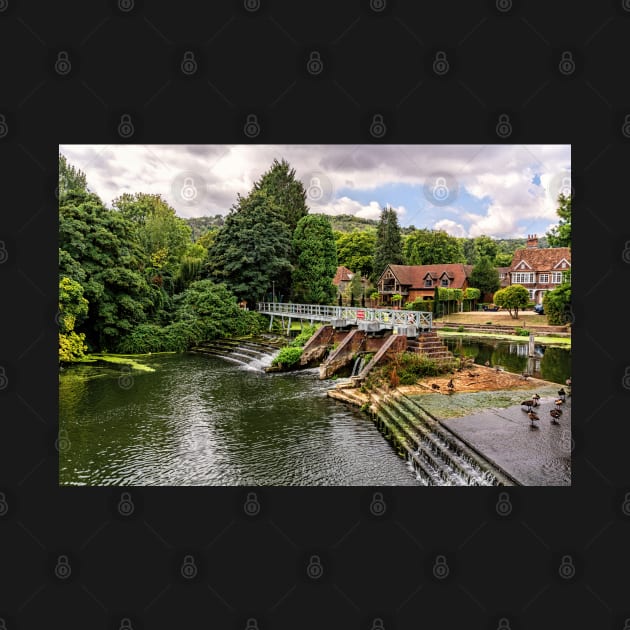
350	342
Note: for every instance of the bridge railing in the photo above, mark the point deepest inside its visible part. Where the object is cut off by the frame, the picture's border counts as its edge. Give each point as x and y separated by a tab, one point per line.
421	319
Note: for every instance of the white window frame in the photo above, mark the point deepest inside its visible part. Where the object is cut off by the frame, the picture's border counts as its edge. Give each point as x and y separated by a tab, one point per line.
544	278
531	294
520	277
444	282
556	277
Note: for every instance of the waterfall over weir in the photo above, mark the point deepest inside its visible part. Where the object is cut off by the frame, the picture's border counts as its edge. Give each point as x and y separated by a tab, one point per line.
251	355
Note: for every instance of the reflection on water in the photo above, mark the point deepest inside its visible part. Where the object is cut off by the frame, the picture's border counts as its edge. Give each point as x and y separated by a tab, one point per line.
550	363
199	420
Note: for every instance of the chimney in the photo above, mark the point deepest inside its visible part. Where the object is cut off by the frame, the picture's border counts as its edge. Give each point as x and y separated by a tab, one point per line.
532	240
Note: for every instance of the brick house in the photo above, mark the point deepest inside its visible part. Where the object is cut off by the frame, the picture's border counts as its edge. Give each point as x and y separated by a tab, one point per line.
539	269
419	281
343	278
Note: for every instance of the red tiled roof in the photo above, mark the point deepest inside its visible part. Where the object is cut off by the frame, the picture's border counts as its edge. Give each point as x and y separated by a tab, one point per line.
343	274
414	275
541	259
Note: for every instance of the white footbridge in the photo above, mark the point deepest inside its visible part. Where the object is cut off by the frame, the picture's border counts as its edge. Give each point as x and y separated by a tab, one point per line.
370	319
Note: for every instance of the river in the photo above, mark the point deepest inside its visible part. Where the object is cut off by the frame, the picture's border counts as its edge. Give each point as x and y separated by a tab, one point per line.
201	420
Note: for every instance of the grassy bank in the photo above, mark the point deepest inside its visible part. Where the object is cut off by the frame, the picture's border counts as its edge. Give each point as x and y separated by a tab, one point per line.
547	340
133	361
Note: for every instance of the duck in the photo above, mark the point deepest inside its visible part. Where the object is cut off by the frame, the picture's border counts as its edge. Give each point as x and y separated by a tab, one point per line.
435	386
529	404
558	402
536	399
562	394
533	416
450	385
555	414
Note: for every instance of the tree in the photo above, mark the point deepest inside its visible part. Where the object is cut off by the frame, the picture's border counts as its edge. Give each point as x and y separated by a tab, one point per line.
514	297
503	260
163	235
70	178
289	193
485	247
316	260
355	250
432	247
560	236
484	276
388	249
73	308
101	250
251	251
557	305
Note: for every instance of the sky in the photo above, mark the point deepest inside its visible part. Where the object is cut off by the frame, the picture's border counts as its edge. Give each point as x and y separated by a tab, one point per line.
503	191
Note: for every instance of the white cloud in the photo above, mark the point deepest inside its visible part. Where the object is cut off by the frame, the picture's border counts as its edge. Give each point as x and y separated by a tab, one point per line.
452	228
498	174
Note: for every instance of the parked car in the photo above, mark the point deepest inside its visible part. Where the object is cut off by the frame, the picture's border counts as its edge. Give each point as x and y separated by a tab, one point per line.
539	309
492	307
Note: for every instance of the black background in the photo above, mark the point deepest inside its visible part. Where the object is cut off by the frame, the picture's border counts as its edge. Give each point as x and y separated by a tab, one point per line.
251	570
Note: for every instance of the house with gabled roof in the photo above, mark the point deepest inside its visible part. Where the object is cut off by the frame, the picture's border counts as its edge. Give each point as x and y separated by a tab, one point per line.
539	269
419	281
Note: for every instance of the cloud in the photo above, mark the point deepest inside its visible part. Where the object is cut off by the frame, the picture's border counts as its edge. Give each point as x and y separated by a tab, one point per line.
498	196
452	228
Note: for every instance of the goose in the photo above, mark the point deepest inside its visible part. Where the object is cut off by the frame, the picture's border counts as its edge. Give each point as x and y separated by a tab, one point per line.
562	394
555	414
529	404
558	402
533	416
536	399
435	386
450	385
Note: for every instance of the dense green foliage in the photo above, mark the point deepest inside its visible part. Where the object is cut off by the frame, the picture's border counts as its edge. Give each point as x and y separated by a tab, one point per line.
388	249
316	261
355	250
432	247
304	336
73	308
484	276
288	356
411	366
251	252
557	305
560	235
513	297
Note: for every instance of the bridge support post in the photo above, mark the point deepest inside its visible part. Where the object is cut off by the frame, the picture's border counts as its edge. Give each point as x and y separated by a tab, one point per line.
270	323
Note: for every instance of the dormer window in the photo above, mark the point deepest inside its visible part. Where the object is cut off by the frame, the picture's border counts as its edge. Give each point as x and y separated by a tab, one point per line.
444	282
428	283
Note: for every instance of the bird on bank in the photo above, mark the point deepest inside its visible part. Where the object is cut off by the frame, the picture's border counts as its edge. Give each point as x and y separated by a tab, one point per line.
435	386
450	385
487	363
558	402
555	415
562	394
533	416
536	399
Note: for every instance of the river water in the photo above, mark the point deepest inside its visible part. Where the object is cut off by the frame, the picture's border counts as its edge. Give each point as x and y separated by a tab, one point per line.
201	420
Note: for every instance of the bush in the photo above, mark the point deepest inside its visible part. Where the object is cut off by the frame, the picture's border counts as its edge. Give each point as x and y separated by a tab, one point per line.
460	329
409	367
301	340
522	332
287	357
